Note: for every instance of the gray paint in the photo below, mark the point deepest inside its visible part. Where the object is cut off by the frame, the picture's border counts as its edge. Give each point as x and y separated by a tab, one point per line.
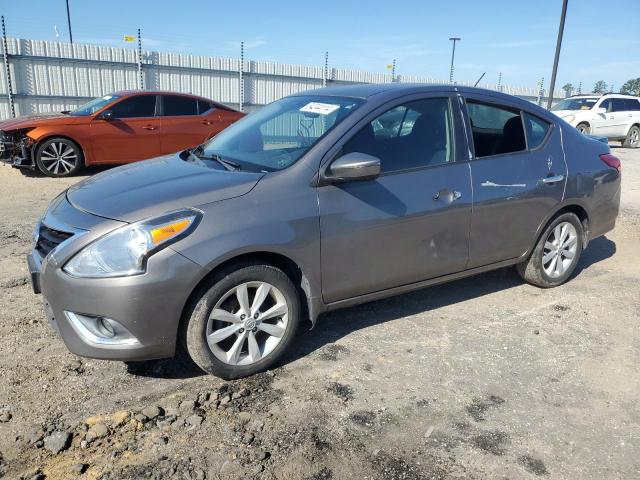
352	241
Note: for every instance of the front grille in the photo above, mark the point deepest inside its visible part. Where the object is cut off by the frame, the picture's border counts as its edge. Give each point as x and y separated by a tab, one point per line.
48	239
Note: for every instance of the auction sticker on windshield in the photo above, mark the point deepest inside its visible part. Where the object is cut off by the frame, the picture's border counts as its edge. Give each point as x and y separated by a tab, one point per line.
320	108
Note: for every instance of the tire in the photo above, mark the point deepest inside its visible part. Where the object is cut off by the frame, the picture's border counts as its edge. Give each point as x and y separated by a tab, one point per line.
207	339
59	157
546	274
633	138
583	128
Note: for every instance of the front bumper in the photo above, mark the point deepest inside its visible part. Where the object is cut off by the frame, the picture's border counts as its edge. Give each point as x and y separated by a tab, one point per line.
18	155
149	306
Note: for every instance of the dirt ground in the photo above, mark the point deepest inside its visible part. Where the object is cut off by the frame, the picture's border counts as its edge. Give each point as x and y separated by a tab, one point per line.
481	378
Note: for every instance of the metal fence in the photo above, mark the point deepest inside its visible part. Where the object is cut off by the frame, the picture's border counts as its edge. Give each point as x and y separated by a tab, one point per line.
53	76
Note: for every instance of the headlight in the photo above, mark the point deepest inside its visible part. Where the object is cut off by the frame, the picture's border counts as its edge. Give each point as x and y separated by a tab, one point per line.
125	251
569	118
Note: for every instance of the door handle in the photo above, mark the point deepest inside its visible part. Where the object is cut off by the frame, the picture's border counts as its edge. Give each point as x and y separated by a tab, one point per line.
554	179
207	122
455	195
150	127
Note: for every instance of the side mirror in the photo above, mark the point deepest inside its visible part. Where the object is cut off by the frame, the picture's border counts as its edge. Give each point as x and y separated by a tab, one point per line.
352	166
106	115
601	110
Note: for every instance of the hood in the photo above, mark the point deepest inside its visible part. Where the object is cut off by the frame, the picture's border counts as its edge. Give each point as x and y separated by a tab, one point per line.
564	113
29	121
153	187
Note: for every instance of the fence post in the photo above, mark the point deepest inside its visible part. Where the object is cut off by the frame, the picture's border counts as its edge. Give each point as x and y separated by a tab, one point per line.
393	70
325	72
140	76
7	70
241	78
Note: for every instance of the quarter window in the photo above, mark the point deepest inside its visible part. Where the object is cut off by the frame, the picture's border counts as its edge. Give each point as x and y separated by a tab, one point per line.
413	135
536	129
204	106
177	105
633	105
138	106
496	130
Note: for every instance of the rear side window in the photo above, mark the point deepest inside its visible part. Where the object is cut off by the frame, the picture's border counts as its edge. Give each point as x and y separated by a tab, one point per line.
632	105
496	130
138	106
416	134
536	129
176	105
204	106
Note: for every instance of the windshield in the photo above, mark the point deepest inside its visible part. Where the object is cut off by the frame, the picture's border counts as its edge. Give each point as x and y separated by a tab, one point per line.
94	105
276	136
575	104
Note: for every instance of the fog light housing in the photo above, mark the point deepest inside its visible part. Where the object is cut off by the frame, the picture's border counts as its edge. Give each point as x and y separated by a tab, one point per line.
100	330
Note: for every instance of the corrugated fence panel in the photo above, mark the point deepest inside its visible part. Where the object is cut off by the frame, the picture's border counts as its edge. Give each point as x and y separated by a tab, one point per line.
52	76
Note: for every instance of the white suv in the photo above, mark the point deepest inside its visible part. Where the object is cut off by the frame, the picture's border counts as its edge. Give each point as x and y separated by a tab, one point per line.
614	116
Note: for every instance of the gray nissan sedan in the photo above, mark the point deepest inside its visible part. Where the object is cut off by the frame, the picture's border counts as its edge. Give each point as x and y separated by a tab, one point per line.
318	201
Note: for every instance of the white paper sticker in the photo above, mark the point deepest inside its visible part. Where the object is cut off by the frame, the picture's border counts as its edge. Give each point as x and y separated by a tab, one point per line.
320	108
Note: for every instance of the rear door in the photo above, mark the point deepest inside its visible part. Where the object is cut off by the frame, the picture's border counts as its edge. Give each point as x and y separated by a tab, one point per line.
409	224
132	133
518	174
619	118
185	121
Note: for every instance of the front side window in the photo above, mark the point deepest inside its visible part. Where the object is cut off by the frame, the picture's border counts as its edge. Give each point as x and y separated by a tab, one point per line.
413	135
132	107
94	105
496	130
606	104
177	105
536	129
276	136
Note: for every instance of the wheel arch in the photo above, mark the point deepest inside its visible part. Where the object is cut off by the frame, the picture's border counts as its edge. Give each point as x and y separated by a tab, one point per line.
278	260
49	136
569	207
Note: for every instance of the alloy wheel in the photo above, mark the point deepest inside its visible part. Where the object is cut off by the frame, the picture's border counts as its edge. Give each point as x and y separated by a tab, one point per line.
59	158
247	323
560	250
634	137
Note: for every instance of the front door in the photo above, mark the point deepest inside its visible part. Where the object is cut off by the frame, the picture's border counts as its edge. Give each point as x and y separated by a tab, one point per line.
518	174
409	224
132	133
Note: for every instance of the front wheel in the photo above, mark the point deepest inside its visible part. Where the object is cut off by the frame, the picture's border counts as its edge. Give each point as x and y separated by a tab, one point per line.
59	157
556	254
243	321
584	128
633	138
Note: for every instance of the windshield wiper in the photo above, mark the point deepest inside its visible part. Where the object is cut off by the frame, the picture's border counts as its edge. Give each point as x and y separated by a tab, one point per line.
228	164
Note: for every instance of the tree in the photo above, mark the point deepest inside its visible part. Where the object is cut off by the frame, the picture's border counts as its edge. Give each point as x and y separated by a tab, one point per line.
600	87
568	89
631	87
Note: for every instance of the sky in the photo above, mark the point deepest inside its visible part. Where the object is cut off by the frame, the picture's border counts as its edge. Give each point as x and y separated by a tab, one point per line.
515	37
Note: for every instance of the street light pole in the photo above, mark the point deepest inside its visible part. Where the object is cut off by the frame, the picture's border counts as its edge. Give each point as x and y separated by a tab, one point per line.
552	86
69	23
453	54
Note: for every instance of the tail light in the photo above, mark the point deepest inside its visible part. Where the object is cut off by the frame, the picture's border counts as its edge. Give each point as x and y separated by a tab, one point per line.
611	160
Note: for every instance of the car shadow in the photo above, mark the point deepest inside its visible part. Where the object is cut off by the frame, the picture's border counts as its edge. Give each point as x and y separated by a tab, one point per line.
335	325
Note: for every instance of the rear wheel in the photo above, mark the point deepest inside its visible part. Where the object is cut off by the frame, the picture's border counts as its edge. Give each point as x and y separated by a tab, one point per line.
59	157
243	321
556	254
633	138
584	128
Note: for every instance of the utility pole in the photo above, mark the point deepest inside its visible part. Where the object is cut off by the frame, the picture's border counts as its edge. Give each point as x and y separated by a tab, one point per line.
499	81
556	58
453	54
7	70
69	23
393	70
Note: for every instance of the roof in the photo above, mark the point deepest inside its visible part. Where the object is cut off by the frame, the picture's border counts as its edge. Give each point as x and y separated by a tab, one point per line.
366	90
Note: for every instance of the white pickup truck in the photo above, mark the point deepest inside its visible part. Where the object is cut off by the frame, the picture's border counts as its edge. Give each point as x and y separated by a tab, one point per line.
611	115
